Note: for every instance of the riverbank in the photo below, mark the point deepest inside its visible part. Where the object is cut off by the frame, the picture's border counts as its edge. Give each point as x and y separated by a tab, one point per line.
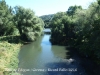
9	55
42	58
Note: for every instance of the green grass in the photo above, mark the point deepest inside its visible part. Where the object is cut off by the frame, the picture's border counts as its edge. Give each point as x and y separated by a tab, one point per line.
9	54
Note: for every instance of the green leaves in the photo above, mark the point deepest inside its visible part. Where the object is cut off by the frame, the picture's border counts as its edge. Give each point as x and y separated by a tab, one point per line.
9	57
98	2
79	28
72	9
6	19
27	23
60	28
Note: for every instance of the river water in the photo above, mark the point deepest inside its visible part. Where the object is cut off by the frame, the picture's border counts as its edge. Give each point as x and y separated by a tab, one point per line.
42	58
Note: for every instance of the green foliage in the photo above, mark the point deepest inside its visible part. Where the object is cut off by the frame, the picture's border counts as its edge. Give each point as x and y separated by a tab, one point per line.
93	41
8	57
79	28
62	27
47	19
72	9
29	25
12	39
6	19
13	24
98	2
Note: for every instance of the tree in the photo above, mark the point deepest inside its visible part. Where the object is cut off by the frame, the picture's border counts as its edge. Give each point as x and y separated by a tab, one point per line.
29	25
79	28
62	28
6	19
98	2
72	9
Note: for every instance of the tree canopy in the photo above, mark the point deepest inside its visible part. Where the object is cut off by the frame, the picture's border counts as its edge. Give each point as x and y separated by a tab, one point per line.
19	20
29	25
6	19
78	28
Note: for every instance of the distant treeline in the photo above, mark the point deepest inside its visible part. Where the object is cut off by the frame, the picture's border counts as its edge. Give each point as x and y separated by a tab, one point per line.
47	19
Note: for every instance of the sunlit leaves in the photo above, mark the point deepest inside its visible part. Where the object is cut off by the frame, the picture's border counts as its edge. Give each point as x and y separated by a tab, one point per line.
8	57
6	19
27	23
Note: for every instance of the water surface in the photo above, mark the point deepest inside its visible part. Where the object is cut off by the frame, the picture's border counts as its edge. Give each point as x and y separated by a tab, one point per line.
42	58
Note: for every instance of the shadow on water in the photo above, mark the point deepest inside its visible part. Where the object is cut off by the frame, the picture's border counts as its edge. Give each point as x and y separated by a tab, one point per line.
71	52
30	51
64	68
68	60
90	67
42	55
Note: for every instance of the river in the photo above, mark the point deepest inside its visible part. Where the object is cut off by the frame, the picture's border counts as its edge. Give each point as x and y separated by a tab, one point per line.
42	58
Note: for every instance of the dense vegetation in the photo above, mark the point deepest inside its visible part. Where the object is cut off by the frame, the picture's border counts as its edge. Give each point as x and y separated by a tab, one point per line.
29	25
47	19
19	20
79	28
17	25
6	19
9	58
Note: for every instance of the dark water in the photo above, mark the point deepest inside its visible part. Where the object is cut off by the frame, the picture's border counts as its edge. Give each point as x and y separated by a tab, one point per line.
42	58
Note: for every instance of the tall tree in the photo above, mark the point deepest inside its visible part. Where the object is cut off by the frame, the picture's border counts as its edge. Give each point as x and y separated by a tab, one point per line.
29	25
6	19
72	9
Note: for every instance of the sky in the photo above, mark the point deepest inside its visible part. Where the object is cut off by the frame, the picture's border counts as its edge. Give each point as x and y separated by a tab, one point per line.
45	7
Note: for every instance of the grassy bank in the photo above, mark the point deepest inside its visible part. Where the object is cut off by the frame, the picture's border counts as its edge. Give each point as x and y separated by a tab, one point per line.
9	55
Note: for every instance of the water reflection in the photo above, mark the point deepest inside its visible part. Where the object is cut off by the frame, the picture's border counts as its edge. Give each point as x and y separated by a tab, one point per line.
29	54
59	51
41	55
36	55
